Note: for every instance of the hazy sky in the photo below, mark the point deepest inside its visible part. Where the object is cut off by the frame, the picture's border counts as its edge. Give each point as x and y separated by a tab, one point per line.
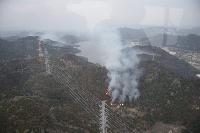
81	15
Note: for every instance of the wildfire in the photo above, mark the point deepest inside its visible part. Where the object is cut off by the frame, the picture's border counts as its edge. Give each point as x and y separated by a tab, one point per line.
121	104
107	92
117	104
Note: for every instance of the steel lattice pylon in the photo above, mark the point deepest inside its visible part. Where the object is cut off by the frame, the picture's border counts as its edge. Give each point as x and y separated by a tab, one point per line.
103	117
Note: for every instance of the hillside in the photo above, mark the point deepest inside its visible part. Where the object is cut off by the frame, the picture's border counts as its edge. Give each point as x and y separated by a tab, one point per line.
32	100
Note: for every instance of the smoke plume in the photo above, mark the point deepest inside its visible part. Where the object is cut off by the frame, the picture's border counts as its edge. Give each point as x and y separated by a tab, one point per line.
121	63
123	77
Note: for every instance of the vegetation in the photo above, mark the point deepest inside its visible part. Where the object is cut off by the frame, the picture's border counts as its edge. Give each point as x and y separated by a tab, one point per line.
32	101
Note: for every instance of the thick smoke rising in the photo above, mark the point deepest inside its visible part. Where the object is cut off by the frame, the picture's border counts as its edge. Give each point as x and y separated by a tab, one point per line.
123	77
121	63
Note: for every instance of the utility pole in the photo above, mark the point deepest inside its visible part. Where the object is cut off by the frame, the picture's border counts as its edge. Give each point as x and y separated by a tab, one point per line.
103	117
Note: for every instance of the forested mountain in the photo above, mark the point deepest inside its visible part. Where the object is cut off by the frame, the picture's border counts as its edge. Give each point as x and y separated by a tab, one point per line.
32	100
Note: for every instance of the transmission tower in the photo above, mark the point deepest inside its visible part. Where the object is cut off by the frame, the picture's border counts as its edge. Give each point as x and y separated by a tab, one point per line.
166	24
48	71
103	117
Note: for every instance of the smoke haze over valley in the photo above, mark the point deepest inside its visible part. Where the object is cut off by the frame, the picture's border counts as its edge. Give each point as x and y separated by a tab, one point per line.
90	66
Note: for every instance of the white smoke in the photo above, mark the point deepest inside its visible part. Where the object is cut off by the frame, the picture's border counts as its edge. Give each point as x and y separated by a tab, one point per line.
123	77
121	63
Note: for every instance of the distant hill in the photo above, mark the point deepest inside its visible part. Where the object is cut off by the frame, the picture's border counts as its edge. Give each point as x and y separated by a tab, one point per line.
157	40
189	42
19	48
71	39
28	46
133	35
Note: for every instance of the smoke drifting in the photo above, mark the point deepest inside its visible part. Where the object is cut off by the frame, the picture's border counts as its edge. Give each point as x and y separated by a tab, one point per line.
105	46
124	75
120	62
